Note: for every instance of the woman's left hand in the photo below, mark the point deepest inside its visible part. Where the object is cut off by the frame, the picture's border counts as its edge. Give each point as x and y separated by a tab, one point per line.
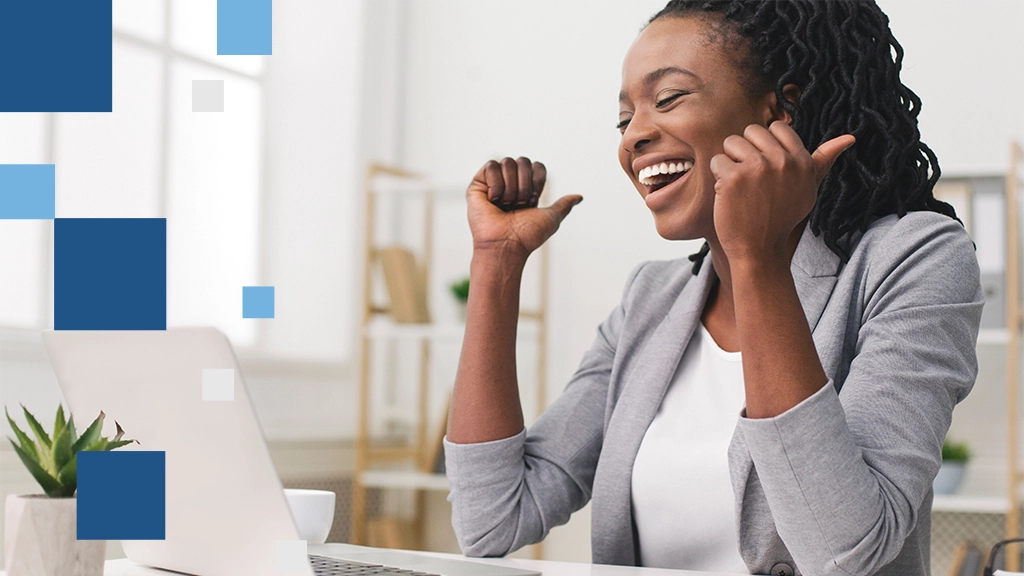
766	184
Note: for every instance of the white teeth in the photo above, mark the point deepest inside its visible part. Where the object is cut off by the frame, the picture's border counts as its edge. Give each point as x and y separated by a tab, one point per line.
664	168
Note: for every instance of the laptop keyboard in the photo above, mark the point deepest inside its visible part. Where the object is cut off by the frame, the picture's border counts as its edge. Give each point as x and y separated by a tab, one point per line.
326	566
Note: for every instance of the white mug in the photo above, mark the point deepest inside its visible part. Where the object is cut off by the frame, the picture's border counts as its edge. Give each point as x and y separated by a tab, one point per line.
313	511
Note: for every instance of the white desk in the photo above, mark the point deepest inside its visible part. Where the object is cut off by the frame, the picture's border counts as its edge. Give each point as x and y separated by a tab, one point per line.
546	567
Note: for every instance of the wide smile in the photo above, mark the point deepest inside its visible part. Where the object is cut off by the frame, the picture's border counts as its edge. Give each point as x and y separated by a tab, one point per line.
658	176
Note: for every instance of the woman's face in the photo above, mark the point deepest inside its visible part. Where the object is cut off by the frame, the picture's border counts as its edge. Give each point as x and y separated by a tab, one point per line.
682	95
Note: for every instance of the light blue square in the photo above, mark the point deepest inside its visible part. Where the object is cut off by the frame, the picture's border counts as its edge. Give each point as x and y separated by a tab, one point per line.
257	301
245	27
27	191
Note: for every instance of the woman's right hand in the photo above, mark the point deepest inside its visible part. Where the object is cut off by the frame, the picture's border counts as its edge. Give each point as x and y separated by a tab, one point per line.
503	213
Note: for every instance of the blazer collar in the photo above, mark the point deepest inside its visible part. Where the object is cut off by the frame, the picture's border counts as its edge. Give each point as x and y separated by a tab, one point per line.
814	268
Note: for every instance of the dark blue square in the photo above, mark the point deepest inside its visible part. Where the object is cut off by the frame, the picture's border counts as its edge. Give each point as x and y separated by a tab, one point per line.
110	274
122	495
55	55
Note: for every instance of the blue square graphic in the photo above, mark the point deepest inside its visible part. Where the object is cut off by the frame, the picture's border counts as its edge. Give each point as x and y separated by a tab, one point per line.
55	56
110	274
245	27
27	191
122	495
257	301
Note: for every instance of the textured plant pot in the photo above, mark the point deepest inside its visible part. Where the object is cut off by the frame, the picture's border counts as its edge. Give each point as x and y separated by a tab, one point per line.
40	539
950	475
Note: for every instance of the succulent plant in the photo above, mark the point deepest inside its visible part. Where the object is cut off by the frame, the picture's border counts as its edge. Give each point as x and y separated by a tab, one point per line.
955	451
54	460
460	290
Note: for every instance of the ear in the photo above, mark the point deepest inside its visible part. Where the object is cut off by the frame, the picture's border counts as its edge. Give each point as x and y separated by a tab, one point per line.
776	112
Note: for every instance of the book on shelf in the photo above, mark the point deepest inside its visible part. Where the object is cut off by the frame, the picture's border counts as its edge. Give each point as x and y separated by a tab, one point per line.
405	286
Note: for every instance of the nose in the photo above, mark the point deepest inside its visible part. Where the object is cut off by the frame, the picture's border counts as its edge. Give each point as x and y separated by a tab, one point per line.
639	133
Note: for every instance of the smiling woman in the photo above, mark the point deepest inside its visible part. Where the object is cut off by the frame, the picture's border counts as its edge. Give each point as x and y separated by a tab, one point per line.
782	409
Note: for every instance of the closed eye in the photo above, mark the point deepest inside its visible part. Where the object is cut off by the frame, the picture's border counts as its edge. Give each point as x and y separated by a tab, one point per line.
622	125
668	100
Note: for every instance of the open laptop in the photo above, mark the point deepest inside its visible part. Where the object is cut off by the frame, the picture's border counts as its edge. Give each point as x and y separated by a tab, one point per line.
226	510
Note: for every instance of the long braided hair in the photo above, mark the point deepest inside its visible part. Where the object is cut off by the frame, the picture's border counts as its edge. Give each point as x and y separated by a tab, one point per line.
846	62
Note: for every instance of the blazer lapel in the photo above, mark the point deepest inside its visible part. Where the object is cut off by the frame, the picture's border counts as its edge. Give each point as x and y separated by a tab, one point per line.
644	387
814	268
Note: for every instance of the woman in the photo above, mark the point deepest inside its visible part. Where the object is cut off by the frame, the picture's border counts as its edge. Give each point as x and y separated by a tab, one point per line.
779	405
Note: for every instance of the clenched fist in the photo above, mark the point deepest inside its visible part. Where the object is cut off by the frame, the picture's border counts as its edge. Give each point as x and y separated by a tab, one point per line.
502	204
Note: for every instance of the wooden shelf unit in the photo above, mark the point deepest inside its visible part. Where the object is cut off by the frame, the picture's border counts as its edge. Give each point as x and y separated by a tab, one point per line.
376	325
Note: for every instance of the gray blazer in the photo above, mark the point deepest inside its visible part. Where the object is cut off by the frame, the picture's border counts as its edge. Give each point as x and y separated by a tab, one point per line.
839	484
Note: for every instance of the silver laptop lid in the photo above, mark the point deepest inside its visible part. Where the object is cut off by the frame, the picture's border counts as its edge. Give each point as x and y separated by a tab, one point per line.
226	510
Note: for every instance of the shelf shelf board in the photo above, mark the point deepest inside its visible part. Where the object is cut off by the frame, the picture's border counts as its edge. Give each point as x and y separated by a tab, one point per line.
407	479
383	328
387	184
968	503
993	336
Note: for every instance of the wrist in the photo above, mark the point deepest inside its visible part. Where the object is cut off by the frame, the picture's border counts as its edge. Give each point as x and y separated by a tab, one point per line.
498	257
760	267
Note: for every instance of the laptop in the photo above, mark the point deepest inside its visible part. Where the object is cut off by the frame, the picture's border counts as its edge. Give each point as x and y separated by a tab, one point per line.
226	509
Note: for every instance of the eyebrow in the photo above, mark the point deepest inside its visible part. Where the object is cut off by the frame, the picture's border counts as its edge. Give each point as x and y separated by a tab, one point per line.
658	74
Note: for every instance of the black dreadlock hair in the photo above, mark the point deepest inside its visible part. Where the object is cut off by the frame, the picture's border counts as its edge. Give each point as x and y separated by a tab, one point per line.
846	62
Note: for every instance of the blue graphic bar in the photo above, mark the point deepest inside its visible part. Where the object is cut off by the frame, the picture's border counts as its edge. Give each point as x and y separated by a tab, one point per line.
245	27
122	495
27	191
55	56
110	274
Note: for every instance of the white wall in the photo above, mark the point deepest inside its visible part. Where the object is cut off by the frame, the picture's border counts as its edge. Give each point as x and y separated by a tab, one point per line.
965	59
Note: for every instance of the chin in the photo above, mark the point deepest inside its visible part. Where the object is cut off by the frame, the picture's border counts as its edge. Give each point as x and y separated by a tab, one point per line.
674	230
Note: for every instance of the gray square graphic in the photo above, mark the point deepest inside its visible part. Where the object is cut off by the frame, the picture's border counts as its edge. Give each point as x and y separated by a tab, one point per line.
207	95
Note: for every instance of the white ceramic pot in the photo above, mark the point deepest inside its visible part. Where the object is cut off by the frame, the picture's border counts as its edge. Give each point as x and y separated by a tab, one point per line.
950	475
313	511
40	539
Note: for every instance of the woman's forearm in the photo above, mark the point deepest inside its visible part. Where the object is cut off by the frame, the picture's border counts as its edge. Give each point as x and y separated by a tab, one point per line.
485	402
781	367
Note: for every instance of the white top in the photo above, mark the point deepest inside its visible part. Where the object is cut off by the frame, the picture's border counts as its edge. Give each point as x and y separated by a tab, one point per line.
683	502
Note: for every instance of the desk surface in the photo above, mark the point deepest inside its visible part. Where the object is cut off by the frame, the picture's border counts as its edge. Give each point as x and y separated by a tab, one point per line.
546	567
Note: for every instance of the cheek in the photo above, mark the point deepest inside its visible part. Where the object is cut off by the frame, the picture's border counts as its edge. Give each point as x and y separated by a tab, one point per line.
624	162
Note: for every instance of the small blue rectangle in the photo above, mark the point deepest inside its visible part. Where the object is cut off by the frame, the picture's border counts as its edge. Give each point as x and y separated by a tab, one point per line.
122	495
257	301
245	27
56	56
110	274
27	191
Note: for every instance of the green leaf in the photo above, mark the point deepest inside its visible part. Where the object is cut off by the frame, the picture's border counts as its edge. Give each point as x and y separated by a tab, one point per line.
117	444
49	484
97	446
61	452
68	476
90	435
26	443
120	432
44	439
59	423
72	433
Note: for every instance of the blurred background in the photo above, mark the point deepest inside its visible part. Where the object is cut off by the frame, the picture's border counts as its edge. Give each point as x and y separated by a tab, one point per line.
274	191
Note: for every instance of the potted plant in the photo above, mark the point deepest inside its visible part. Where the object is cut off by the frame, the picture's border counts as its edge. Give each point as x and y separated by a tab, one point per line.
954	459
460	289
40	530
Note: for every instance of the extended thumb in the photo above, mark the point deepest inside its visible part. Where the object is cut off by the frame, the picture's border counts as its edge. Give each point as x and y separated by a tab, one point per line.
826	154
564	205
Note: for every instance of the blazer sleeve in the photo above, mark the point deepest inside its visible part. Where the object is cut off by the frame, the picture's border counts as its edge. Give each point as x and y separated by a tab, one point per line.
509	493
845	473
